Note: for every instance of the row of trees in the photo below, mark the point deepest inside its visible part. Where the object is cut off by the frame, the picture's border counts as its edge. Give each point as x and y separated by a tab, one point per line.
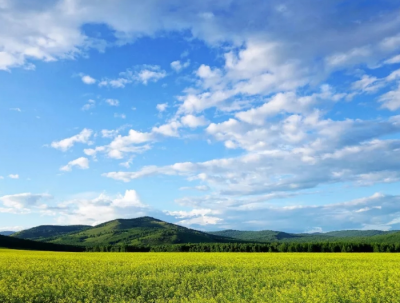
255	247
16	243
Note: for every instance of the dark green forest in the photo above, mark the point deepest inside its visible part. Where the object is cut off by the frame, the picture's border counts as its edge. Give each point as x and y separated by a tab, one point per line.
257	247
15	243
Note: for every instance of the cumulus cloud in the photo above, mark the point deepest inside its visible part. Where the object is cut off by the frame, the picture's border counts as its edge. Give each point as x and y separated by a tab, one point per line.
65	144
23	201
150	73
162	107
87	79
134	142
102	208
169	129
82	163
193	121
13	176
17	109
179	66
346	151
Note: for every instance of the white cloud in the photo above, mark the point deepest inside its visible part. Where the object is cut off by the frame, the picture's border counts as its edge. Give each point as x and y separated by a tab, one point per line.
59	34
150	73
89	105
87	79
1	177
112	102
394	75
140	74
334	159
13	176
393	60
193	121
391	99
162	107
199	188
127	164
102	208
367	84
169	129
134	142
24	200
105	133
378	210
82	163
179	66
115	83
65	144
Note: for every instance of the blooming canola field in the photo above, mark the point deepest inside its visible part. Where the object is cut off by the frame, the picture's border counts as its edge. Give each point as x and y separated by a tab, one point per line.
27	276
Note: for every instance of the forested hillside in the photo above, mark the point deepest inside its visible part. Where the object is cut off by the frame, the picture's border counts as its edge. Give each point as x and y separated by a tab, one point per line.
48	231
145	231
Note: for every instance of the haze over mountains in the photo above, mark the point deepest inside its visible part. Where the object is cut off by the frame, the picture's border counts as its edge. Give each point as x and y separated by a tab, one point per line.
148	231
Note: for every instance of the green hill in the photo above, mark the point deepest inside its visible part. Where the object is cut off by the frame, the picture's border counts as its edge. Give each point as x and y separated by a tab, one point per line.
15	243
6	233
48	231
139	232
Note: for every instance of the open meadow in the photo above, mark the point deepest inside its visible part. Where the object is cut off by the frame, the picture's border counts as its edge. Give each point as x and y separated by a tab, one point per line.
28	276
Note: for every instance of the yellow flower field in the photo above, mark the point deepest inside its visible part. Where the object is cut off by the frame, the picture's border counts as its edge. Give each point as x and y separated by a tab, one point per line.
27	276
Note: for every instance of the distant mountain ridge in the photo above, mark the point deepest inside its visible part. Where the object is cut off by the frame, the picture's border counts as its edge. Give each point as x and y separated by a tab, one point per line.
343	235
148	231
49	231
7	233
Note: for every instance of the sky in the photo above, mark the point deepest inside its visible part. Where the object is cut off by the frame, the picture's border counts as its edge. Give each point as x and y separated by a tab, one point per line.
250	115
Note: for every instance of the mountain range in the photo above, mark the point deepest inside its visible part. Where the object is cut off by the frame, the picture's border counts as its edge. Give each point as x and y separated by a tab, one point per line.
148	231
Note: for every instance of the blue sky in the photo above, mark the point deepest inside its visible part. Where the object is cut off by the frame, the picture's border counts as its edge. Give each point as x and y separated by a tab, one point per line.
210	114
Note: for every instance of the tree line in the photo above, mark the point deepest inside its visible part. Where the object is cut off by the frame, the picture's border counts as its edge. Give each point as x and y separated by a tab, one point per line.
334	247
